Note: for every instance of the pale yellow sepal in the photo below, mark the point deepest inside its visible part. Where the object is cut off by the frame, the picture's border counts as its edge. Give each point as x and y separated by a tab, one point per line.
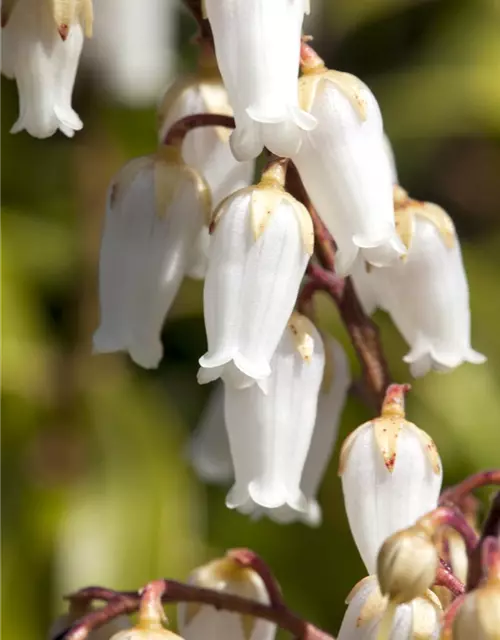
352	88
387	432
302	330
405	211
263	203
170	172
428	446
425	610
67	12
374	605
216	101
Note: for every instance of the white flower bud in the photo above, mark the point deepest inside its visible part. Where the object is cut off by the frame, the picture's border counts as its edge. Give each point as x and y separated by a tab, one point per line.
344	167
146	633
391	475
260	248
201	621
209	446
407	564
258	47
331	400
41	47
419	620
426	294
156	207
270	433
479	614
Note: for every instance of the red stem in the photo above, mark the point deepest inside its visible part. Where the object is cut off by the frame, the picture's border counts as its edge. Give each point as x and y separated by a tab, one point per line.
450	517
248	558
446	578
454	495
178	131
449	617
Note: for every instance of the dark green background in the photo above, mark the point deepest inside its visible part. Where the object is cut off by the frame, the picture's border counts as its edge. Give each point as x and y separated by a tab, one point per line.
95	484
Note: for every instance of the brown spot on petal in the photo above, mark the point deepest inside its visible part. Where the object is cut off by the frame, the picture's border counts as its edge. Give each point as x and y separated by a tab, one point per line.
63	30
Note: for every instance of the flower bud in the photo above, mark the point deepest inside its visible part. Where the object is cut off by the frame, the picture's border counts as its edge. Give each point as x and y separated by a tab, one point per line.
258	48
156	208
270	433
261	243
344	167
391	475
202	621
479	614
41	47
418	620
406	564
146	633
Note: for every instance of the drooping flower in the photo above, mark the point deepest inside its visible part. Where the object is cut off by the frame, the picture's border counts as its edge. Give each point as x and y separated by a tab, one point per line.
366	606
209	446
479	614
426	294
258	49
261	243
391	475
202	621
156	207
41	47
270	433
344	167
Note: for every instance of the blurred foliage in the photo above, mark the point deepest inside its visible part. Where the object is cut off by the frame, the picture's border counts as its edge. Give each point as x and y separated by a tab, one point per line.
96	487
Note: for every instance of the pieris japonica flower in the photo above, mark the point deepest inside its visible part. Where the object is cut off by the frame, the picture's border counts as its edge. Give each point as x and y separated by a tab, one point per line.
156	207
391	475
426	294
270	433
209	446
146	633
202	621
258	48
344	167
261	243
479	614
366	606
41	46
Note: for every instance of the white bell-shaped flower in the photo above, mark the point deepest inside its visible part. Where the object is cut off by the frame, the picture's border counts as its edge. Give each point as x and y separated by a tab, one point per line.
261	243
156	207
209	446
391	475
270	433
41	47
258	50
366	605
426	294
331	400
202	621
345	169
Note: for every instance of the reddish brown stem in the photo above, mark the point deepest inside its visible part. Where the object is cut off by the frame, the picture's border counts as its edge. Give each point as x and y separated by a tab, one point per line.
178	131
449	617
491	528
446	578
248	558
450	517
454	495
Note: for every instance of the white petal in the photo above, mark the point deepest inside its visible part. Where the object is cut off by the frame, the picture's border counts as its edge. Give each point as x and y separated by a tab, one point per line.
44	67
379	502
344	167
209	447
198	260
205	150
428	299
330	405
250	290
391	158
143	259
259	64
270	434
353	628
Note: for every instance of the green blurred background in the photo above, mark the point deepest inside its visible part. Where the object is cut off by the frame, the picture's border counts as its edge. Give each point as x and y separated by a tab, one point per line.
96	487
